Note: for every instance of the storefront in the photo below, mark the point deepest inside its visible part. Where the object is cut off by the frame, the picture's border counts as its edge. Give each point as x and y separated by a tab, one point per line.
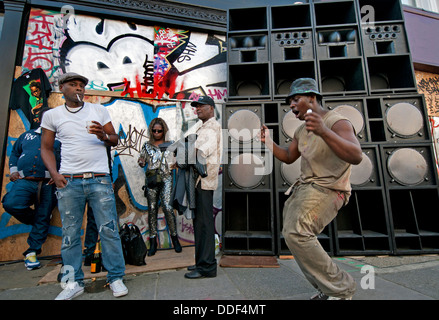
144	59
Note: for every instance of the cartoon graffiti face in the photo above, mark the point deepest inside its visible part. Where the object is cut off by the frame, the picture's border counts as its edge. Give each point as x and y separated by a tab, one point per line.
124	58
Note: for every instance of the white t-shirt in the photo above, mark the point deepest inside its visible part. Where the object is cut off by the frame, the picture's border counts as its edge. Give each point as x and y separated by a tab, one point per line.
80	151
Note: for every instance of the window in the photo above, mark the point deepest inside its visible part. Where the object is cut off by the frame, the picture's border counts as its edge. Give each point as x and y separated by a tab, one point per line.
428	5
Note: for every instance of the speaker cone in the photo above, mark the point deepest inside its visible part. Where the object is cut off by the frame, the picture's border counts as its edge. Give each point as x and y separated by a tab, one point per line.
354	116
283	86
290	123
360	174
249	88
244	169
404	119
333	84
290	172
244	125
407	166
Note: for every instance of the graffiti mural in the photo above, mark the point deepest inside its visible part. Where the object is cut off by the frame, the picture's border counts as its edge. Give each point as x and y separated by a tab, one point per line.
428	85
138	72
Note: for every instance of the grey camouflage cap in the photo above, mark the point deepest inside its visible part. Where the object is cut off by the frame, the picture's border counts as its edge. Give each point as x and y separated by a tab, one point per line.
303	86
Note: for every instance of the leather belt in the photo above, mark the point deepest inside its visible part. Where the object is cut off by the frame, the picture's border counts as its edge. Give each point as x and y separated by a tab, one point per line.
85	175
36	179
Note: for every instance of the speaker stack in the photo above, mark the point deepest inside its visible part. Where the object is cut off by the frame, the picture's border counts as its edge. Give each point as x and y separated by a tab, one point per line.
364	71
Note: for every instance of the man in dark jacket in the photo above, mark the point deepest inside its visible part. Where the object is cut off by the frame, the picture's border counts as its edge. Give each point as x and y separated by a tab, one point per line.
31	186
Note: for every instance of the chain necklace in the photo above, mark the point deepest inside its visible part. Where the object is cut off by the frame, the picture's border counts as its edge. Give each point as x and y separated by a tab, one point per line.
67	108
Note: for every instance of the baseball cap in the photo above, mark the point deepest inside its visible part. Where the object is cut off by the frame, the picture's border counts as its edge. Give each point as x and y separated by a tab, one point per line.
71	76
303	86
203	100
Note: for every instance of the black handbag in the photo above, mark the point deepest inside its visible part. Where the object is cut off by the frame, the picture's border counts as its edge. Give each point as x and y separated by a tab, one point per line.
133	247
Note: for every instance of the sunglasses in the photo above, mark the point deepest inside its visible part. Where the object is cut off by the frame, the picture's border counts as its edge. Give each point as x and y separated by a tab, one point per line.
156	131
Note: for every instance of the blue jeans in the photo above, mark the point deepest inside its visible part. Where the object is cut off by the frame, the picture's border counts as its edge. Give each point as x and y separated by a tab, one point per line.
91	233
17	202
98	192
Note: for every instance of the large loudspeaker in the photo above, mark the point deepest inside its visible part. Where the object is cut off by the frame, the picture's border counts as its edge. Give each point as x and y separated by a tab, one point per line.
409	165
248	48
243	123
410	176
406	119
367	173
285	73
338	43
354	110
292	45
247	170
342	76
248	19
248	208
249	81
365	72
382	39
390	74
288	123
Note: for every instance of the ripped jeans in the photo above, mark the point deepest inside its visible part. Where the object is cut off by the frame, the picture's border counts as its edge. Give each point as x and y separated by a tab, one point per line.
72	199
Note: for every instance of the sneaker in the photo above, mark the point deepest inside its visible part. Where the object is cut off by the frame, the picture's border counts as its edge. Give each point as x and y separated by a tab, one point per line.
31	262
119	288
72	290
321	296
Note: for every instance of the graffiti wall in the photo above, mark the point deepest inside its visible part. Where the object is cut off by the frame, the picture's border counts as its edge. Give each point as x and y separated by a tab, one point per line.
138	72
428	85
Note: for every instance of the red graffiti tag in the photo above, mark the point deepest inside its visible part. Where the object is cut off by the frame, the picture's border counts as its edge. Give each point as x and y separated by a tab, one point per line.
39	43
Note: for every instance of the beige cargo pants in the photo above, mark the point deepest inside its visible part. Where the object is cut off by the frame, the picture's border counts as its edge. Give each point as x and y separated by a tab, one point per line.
306	213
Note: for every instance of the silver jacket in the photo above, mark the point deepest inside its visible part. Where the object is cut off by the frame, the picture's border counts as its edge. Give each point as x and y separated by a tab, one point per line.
152	155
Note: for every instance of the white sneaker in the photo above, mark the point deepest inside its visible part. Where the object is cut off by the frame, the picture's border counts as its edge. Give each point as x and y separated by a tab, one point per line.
71	290
119	288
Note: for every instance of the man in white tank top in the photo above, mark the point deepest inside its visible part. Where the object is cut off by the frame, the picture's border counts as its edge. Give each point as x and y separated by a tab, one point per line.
83	178
327	145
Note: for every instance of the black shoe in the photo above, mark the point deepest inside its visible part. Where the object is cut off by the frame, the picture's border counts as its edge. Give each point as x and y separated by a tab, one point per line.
152	246
176	244
192	268
196	275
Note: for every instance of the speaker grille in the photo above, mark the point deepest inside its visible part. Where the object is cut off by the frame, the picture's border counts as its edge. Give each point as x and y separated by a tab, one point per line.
407	166
244	125
404	119
361	173
354	116
245	170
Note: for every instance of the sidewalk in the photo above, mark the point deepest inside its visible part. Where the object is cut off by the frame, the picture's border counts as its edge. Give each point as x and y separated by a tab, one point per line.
392	278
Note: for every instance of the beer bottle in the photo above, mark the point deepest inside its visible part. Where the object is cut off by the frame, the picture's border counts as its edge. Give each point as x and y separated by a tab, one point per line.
96	263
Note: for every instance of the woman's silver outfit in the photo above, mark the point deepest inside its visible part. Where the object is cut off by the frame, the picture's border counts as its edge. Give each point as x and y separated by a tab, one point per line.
152	156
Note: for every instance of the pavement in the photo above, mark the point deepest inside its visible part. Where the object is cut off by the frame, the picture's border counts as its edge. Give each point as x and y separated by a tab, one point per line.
162	279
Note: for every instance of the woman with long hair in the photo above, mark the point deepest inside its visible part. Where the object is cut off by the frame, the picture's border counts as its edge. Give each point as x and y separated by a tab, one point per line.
155	156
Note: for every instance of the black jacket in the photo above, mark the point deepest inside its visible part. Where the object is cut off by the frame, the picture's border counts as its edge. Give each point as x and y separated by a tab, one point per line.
189	168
